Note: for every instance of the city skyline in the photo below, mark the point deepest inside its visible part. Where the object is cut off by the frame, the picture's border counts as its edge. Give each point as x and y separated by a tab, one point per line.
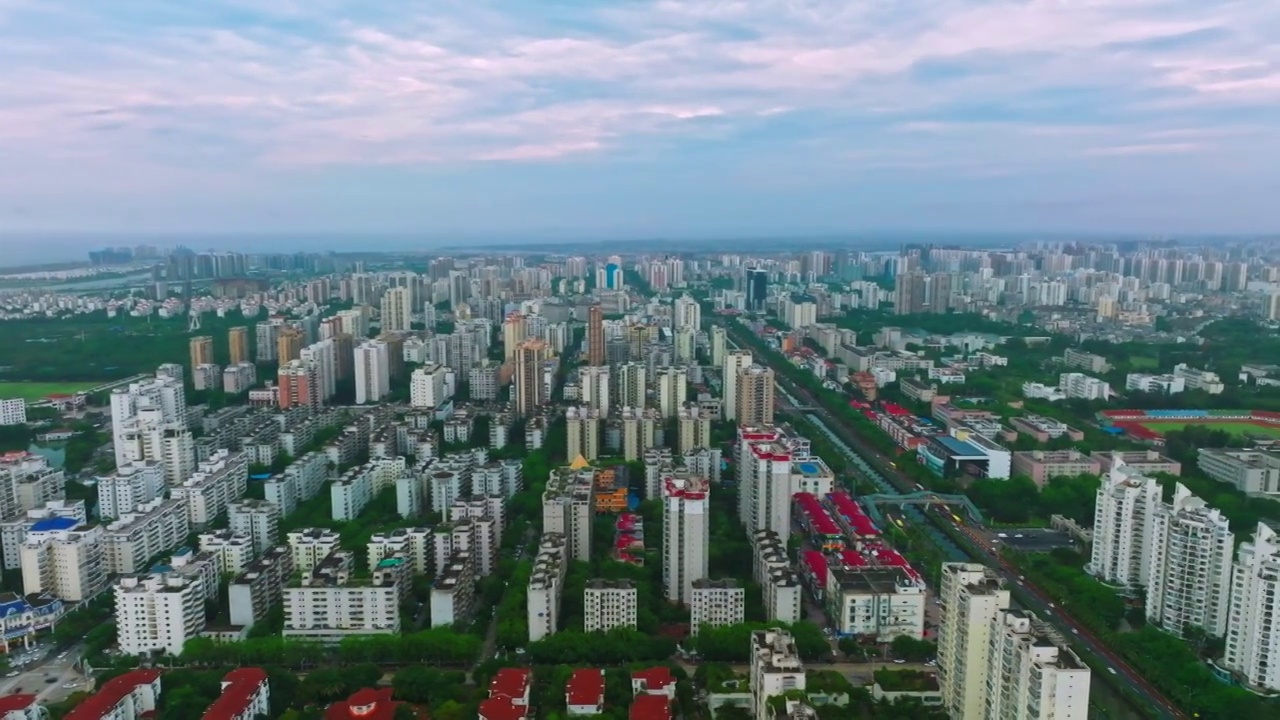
637	120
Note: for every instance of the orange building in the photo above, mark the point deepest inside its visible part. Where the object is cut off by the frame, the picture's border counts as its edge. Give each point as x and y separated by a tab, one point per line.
610	494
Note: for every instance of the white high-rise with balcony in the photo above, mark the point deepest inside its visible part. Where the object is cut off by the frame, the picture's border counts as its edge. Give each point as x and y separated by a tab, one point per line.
1253	636
1124	526
971	598
1190	580
685	534
1032	674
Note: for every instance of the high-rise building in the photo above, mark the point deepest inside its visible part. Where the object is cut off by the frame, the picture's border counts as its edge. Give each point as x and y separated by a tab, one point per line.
1031	672
909	293
685	535
754	403
373	371
971	599
594	384
397	310
694	429
595	336
530	387
258	519
940	293
686	313
546	586
609	604
718	342
1190	582
775	669
1124	527
568	509
515	330
128	487
66	560
673	386
266	333
1252	650
582	433
632	390
159	612
201	348
288	344
324	356
757	286
298	385
427	386
238	339
734	363
716	603
149	422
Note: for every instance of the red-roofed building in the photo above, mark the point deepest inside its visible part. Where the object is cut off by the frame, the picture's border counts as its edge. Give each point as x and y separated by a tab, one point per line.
816	520
21	707
365	704
508	695
650	707
852	519
245	695
654	681
127	697
584	693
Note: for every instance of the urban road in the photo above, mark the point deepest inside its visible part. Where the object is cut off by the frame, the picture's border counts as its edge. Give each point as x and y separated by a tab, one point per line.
880	470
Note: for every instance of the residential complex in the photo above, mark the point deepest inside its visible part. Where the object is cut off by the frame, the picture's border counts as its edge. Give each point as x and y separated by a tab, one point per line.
609	604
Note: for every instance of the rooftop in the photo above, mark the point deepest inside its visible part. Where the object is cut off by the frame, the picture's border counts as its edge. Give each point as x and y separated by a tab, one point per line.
115	690
239	687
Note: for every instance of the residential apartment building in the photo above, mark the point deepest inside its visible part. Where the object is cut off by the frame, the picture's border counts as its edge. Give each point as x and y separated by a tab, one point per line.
258	519
686	533
775	669
260	586
330	604
1032	674
567	509
1199	379
309	546
232	551
971	598
64	559
582	432
158	612
129	486
1190	580
13	411
1124	527
1087	361
134	538
715	603
881	601
1252	640
453	592
755	391
372	371
693	428
246	695
1142	462
673	388
609	604
131	696
779	582
218	481
427	388
412	543
1083	387
1162	384
735	361
594	385
546	586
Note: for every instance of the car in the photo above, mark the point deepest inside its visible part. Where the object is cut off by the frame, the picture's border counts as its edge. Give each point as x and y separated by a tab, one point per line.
51	680
1052	605
1075	631
899	661
69	685
1002	535
11	674
1111	670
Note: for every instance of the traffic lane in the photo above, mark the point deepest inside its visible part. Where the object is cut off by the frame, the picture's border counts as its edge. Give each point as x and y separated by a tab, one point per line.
50	681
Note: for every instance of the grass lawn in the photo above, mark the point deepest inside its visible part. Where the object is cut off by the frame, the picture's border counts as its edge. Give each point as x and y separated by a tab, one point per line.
1141	362
1234	428
32	391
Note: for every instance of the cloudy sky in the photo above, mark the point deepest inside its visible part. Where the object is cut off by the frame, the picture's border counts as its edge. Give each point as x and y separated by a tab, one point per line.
631	118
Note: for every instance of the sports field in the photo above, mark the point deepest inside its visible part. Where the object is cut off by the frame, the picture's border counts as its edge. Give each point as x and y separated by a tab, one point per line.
33	391
1234	427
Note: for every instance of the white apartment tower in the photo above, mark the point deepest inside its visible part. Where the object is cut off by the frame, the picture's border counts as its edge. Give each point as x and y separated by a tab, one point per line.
158	612
609	604
1124	527
632	379
149	422
1032	674
258	519
373	371
546	586
129	486
594	381
673	388
582	433
397	310
716	603
1253	637
427	386
734	362
971	599
1190	580
775	669
685	535
686	313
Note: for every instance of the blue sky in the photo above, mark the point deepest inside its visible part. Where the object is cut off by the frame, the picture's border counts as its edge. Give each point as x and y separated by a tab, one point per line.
630	119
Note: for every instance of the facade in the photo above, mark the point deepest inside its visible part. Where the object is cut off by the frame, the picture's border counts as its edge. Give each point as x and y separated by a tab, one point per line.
129	486
246	694
755	391
972	597
260	587
1162	384
1083	387
427	386
453	592
1196	379
1044	465
134	538
329	604
609	604
1032	674
1124	527
1252	650
775	669
1249	471
1190	581
715	603
258	519
13	412
131	696
158	613
735	361
546	586
298	385
686	533
567	509
372	371
63	560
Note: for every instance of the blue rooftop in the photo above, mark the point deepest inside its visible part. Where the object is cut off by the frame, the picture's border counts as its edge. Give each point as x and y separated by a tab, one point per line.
808	468
56	523
960	447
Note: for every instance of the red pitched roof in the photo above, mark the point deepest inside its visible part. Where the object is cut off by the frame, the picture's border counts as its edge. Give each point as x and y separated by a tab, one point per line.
243	684
372	704
510	682
111	694
817	565
656	679
585	687
500	708
650	707
9	703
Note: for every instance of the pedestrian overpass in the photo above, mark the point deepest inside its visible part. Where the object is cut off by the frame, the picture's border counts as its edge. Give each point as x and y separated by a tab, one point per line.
926	498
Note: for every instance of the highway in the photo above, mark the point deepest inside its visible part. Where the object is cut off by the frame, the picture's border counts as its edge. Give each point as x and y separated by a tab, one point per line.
49	675
873	463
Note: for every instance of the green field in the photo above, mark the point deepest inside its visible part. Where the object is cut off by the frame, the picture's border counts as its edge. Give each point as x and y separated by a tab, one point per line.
32	391
1239	429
